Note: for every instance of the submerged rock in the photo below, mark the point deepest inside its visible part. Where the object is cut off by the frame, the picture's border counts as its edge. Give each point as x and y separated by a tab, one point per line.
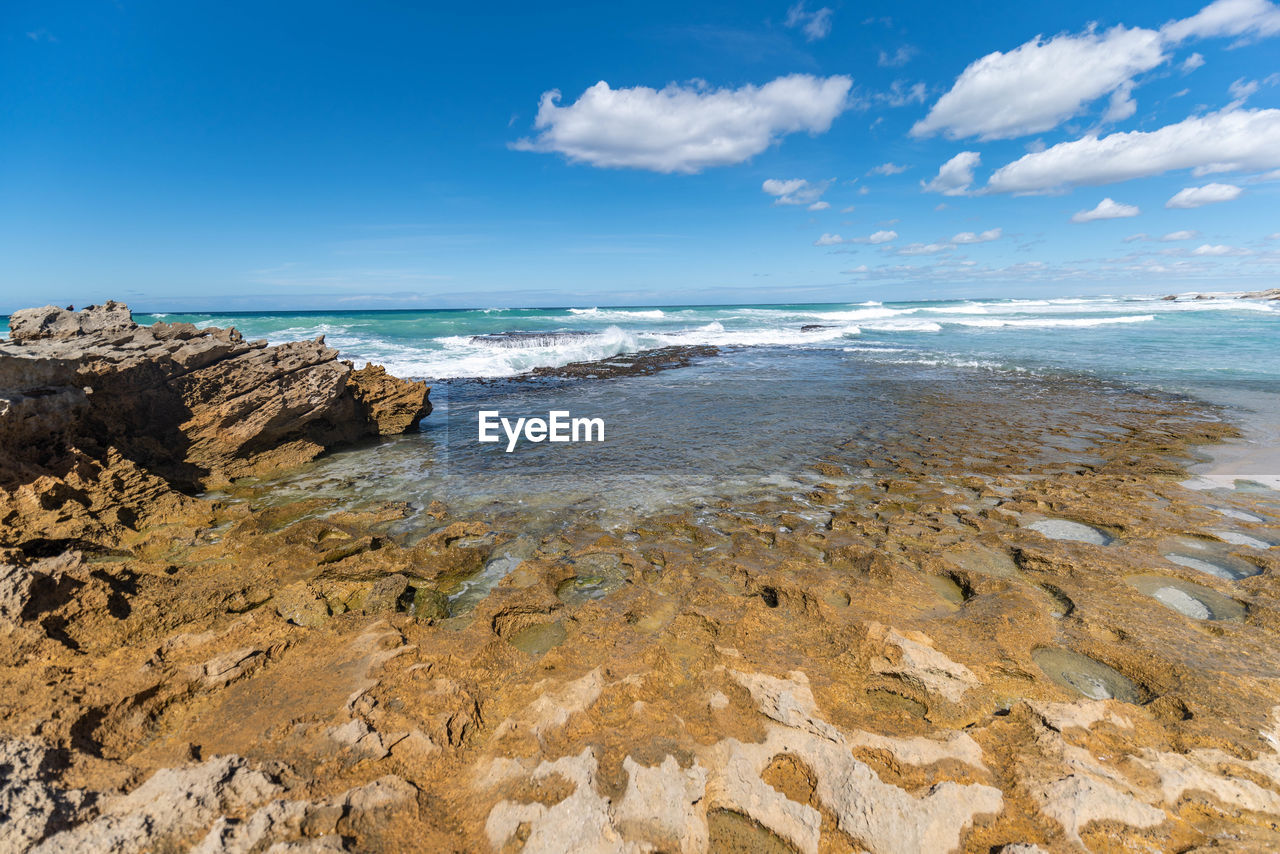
1091	678
1063	529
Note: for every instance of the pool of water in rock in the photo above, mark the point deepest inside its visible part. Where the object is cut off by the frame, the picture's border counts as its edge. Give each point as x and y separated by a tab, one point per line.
1188	599
1082	674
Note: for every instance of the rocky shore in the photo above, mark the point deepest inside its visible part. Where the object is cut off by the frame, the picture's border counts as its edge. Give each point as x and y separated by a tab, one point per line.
106	424
1012	632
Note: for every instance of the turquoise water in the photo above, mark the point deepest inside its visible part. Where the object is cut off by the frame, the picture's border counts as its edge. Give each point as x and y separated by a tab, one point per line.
791	383
1179	345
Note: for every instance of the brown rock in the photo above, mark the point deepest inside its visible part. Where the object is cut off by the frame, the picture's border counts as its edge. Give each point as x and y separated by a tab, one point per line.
94	406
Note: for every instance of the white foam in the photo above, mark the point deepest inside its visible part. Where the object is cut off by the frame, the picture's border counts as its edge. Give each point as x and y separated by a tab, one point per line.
458	356
618	313
1051	322
904	325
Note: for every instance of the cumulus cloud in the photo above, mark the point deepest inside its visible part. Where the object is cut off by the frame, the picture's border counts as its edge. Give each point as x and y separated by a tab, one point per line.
1174	236
1227	18
815	25
965	237
684	128
954	176
829	240
1229	140
819	206
1040	84
888	169
1035	87
1107	209
1194	197
795	191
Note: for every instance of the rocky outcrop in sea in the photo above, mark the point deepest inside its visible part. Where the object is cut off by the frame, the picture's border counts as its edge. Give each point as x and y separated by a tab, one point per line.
102	419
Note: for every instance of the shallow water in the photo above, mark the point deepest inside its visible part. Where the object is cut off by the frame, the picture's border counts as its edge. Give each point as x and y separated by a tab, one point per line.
1218	567
1063	529
746	425
1082	674
1190	600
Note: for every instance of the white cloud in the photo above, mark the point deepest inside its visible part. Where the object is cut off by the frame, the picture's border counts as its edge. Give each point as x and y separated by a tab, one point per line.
1225	141
795	191
1242	89
819	206
1180	235
900	94
1218	250
1191	63
1194	197
954	176
898	58
922	248
1121	105
966	237
876	237
1141	235
684	128
1227	18
1036	86
849	209
888	169
1106	209
815	25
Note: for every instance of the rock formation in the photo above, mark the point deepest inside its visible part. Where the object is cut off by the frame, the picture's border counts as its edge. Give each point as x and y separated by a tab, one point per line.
959	645
101	417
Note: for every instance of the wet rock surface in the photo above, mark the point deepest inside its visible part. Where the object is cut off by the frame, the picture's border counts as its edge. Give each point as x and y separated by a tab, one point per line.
625	365
886	659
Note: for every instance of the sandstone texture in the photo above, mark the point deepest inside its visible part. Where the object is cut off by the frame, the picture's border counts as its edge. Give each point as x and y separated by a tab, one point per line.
895	657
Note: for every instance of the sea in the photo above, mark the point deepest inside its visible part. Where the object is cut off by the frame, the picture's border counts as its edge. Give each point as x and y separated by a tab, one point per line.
785	385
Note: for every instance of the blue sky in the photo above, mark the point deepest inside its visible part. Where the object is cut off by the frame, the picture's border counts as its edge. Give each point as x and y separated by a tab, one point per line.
321	155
